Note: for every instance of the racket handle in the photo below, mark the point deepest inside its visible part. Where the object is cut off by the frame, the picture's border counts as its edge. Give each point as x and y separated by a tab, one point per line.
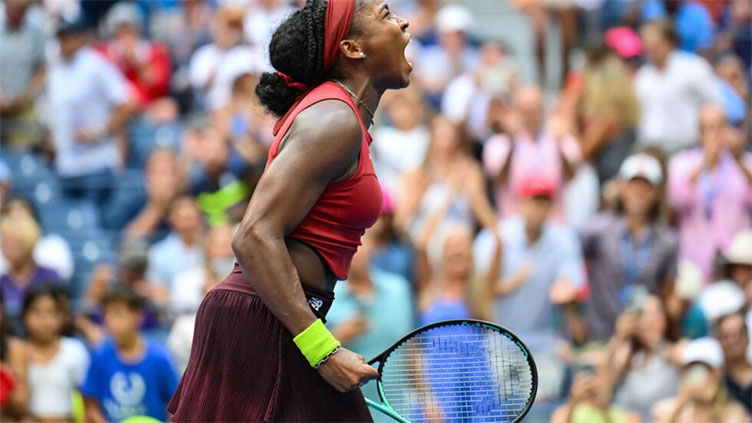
386	410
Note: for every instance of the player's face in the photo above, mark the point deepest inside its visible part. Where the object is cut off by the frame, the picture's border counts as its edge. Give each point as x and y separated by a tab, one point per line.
383	39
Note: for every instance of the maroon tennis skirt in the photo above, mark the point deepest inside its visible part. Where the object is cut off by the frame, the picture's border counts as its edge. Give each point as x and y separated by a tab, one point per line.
244	366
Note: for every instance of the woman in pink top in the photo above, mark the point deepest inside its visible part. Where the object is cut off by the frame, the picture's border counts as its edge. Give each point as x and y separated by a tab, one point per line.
710	188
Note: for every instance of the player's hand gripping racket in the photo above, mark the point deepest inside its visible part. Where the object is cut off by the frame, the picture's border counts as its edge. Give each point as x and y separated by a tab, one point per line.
456	371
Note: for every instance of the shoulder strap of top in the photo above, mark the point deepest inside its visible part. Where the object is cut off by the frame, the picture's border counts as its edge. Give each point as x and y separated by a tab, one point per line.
326	91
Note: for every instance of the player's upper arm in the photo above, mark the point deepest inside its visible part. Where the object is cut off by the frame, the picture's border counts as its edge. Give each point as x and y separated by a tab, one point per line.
322	144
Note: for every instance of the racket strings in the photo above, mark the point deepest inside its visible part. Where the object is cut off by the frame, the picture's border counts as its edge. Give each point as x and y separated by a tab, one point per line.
460	373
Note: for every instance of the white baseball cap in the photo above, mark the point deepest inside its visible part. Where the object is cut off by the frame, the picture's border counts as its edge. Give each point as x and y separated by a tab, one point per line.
454	17
642	165
721	298
740	250
703	350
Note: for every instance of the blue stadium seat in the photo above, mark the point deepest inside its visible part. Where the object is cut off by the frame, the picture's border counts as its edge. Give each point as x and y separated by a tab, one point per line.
90	247
69	215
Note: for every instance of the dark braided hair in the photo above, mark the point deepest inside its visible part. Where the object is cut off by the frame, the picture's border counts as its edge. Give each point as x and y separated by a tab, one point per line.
297	50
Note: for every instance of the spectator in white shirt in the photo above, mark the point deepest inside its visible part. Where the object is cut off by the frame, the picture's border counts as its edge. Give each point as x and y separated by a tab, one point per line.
671	88
90	102
215	66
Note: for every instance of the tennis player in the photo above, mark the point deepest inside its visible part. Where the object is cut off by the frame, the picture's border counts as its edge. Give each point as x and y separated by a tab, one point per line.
260	350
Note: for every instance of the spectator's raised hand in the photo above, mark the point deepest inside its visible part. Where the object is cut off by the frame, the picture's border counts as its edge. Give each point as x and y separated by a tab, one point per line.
562	292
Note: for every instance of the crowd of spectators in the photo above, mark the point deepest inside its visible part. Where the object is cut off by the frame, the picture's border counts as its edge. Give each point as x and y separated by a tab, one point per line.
606	218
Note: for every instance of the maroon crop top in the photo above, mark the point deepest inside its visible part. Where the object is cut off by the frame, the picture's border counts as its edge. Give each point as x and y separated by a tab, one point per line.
345	209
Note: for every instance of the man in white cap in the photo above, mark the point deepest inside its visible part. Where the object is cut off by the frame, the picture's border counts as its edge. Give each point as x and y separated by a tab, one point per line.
738	263
630	250
702	394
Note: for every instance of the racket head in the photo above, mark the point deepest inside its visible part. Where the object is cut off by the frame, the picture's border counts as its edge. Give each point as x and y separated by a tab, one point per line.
461	370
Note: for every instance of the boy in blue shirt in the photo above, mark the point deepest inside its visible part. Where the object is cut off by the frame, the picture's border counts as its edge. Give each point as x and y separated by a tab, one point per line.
129	374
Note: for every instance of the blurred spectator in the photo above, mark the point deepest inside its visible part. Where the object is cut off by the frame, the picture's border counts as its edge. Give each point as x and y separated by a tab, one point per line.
373	309
541	273
451	56
14	362
733	336
51	251
448	177
468	98
454	290
736	34
672	88
22	77
57	364
703	396
19	236
261	19
639	356
531	144
733	87
90	102
422	15
392	252
189	285
690	18
215	66
401	146
181	249
145	64
141	211
711	190
590	396
629	249
737	264
541	13
247	127
608	112
219	179
129	374
183	29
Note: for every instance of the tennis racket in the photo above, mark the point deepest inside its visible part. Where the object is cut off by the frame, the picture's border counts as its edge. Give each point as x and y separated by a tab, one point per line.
456	371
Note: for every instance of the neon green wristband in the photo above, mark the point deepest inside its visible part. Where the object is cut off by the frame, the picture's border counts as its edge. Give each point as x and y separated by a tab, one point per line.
316	343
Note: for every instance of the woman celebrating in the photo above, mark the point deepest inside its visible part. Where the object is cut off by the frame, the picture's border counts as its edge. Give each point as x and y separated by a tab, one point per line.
261	351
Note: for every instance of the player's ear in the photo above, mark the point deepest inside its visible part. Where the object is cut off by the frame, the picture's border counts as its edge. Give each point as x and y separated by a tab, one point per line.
352	49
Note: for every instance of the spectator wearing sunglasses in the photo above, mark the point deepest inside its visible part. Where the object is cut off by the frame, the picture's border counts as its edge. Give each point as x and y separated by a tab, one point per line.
732	334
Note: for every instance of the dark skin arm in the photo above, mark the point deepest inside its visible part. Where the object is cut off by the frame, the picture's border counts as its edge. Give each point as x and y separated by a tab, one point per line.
320	148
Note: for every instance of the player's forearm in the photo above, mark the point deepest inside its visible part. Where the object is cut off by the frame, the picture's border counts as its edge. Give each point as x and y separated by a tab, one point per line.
268	267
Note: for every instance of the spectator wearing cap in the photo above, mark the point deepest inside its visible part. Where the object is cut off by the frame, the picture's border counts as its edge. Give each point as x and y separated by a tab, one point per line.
145	64
733	335
91	106
628	248
23	75
452	56
703	396
671	87
541	271
215	66
710	188
530	144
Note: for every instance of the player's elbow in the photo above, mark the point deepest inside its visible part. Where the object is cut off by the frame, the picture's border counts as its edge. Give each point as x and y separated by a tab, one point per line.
248	235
